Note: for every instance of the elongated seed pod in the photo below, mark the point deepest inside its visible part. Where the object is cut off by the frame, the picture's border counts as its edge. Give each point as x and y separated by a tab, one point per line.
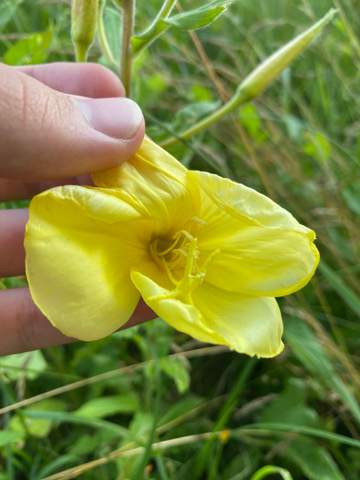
258	80
83	26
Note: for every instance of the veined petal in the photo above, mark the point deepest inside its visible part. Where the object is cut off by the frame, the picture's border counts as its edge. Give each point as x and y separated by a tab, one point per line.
264	262
153	182
227	206
247	325
78	265
261	249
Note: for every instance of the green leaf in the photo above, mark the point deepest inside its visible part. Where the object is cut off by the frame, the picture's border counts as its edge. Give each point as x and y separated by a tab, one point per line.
107	406
200	17
176	369
180	408
7	11
29	50
191	114
315	461
141	426
58	464
85	444
112	20
7	437
286	428
352	195
312	355
294	126
271	470
68	417
290	408
317	146
29	365
38	427
251	120
338	284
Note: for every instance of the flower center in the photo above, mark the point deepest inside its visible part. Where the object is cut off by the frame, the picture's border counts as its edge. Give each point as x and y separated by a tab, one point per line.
179	257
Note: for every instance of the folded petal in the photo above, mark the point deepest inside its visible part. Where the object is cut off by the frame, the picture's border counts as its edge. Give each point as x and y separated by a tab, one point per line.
241	202
78	257
261	249
180	315
247	325
153	182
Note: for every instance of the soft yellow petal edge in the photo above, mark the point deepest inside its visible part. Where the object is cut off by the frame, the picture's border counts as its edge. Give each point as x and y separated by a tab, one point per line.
203	320
75	269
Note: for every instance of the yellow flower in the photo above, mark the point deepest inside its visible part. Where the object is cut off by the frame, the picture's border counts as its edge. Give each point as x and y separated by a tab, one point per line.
208	255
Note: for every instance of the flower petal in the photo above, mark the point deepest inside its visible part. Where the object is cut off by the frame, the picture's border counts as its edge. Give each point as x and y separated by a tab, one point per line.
247	325
78	265
262	250
180	315
241	202
153	182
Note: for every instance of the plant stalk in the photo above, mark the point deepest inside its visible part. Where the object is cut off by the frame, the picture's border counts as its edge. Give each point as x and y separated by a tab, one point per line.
235	101
103	41
126	50
260	78
156	28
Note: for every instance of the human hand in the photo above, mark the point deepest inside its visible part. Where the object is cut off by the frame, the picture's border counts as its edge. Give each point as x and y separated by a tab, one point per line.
58	123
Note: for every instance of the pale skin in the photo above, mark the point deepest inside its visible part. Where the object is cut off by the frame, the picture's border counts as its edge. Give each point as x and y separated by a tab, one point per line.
58	123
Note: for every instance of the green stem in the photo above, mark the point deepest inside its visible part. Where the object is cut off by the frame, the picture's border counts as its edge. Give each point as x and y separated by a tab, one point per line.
126	50
103	41
81	53
235	101
157	28
260	78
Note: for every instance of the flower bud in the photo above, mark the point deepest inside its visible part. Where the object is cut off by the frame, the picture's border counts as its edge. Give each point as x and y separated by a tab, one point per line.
258	80
84	15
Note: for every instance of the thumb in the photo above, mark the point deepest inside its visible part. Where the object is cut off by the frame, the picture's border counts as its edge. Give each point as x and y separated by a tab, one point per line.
45	134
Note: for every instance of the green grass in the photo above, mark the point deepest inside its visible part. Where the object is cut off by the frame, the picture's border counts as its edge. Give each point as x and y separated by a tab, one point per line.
300	144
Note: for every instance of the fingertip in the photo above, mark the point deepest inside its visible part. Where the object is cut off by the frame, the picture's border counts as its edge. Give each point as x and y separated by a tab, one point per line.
113	152
62	135
119	118
84	79
104	82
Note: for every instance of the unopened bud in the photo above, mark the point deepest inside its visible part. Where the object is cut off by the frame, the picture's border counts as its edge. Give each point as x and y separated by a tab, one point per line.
258	80
84	15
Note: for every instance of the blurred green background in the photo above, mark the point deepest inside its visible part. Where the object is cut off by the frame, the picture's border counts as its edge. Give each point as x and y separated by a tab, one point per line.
300	144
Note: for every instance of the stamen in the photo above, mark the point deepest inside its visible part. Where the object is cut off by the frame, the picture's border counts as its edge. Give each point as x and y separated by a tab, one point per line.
169	273
162	253
189	266
182	250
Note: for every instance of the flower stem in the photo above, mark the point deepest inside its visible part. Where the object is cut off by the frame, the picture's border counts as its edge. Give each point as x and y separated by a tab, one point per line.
156	28
81	53
103	41
260	78
126	51
235	101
